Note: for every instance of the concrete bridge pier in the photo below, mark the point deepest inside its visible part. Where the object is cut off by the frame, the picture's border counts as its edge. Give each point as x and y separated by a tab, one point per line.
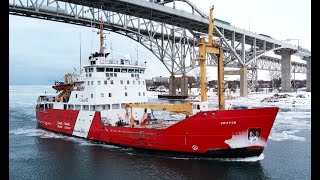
184	86
285	68
243	72
308	59
243	82
172	86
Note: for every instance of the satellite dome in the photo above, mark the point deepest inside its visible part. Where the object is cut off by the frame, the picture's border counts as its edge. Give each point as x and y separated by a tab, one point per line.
126	57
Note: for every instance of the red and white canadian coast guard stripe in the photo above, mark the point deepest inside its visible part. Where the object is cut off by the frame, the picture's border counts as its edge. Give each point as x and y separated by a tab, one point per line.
205	132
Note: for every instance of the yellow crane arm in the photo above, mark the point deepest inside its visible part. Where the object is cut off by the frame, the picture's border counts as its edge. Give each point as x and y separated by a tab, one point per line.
169	107
174	108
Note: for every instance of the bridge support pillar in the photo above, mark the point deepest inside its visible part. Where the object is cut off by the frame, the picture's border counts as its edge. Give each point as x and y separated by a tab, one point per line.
172	86
184	86
285	68
308	59
243	82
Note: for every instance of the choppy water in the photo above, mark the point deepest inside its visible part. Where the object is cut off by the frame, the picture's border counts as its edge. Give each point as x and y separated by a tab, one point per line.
35	153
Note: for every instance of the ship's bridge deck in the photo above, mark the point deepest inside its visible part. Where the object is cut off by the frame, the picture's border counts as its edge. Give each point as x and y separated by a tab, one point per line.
99	59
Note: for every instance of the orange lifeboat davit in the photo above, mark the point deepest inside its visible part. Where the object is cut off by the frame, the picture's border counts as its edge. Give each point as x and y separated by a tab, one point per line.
62	87
66	85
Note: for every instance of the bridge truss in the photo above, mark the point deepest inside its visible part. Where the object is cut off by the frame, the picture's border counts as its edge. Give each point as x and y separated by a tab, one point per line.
169	38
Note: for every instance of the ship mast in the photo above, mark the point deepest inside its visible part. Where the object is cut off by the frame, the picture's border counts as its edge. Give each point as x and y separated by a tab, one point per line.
216	49
101	37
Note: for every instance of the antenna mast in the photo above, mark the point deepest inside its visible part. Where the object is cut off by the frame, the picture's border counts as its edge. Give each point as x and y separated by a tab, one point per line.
111	50
80	54
101	37
137	55
91	37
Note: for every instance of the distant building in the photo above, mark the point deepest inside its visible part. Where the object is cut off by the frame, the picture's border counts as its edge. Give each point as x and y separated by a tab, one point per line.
160	79
149	82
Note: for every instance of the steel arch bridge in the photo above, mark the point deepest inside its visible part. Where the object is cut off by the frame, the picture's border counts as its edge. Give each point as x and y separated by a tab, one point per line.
170	34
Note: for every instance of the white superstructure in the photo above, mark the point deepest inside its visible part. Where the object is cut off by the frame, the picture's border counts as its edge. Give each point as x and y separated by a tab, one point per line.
104	85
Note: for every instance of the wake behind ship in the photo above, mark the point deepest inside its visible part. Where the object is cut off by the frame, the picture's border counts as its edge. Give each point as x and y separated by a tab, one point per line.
108	103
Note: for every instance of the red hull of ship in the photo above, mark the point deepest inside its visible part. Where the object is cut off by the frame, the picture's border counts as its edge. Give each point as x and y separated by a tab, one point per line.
221	133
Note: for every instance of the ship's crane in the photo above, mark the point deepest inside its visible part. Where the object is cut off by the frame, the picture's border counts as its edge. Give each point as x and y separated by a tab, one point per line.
211	47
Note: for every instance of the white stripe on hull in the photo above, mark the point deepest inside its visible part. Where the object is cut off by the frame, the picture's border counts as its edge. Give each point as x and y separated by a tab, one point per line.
83	123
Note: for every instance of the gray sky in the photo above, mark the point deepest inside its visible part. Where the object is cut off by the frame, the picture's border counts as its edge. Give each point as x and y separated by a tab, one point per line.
43	51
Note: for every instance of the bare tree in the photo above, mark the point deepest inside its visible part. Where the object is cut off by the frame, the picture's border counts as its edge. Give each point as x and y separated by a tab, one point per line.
195	73
275	78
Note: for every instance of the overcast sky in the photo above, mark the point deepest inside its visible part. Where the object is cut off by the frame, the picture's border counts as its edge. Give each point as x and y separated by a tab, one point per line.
41	52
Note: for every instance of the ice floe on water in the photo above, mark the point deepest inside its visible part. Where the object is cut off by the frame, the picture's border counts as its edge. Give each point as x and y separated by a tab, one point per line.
291	118
37	132
285	135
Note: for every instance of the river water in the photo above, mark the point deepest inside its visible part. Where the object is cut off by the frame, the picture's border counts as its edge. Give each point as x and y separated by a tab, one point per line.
35	153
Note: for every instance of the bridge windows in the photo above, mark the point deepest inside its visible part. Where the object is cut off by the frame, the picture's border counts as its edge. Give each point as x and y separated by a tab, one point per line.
124	70
105	82
100	69
109	94
91	69
128	82
139	94
91	95
109	69
133	72
91	82
125	94
111	82
121	81
99	82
